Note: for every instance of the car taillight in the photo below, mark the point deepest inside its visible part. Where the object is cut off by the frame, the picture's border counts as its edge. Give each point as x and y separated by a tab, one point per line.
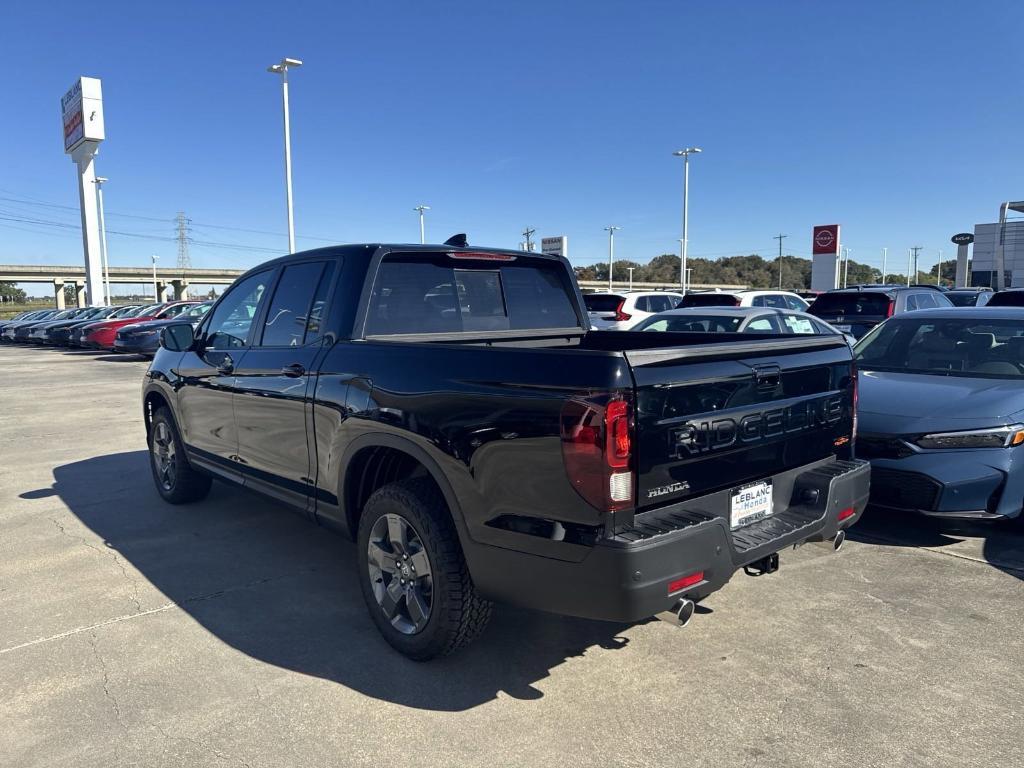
597	448
856	376
619	314
891	308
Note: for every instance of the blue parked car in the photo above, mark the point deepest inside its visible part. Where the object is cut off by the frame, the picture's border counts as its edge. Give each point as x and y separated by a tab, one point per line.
941	412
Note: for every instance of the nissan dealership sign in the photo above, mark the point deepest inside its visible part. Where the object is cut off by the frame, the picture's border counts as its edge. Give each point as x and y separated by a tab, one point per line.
826	238
825	257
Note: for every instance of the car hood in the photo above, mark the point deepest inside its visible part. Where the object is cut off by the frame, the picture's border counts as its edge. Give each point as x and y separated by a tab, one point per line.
906	403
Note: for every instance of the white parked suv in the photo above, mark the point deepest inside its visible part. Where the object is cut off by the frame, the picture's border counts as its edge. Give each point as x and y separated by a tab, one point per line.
773	299
621	311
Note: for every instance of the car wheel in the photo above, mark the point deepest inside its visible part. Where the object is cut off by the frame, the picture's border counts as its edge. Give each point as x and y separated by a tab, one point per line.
413	574
176	480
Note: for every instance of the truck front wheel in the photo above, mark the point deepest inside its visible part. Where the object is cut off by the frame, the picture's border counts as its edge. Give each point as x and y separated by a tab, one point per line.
413	574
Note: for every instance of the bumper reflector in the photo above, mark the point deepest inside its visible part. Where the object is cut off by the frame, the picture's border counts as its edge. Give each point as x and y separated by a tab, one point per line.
848	512
686	581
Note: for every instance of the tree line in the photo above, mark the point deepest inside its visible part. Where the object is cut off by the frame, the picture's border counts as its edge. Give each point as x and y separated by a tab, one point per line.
753	271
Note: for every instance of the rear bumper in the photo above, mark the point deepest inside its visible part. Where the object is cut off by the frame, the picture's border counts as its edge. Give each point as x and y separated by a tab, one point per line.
626	578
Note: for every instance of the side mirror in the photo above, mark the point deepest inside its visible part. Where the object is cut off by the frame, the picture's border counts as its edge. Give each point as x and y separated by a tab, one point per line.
178	337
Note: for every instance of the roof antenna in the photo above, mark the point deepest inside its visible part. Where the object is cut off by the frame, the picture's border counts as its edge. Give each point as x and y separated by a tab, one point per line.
457	241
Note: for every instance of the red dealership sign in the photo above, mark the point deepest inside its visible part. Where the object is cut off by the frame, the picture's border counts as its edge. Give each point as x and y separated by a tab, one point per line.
826	239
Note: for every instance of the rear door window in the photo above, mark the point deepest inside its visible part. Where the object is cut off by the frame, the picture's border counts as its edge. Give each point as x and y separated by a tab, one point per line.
795	302
643	304
797	324
441	294
287	318
775	301
661	303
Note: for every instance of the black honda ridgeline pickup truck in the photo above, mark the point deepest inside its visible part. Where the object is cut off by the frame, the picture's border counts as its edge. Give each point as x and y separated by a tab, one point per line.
450	409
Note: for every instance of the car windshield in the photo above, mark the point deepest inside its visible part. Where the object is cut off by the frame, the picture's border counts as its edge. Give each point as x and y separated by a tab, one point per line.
975	347
851	304
709	300
173	311
149	309
692	323
124	311
602	302
197	311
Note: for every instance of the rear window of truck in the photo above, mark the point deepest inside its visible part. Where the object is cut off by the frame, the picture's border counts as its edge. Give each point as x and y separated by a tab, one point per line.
439	294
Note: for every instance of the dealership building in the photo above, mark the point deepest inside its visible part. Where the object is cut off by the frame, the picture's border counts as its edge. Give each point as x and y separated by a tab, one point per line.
986	246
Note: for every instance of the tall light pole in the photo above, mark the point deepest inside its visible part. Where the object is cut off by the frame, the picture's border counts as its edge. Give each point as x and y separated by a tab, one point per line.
938	272
631	277
156	291
99	181
846	268
423	231
885	252
780	237
611	252
282	68
685	154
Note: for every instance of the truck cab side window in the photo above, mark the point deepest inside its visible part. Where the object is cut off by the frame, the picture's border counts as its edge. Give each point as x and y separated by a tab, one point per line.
289	313
232	320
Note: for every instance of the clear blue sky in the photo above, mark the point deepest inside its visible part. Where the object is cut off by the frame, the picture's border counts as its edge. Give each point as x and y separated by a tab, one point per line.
899	120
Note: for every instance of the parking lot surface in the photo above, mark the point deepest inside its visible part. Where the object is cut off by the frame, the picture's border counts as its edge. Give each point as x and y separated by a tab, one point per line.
232	632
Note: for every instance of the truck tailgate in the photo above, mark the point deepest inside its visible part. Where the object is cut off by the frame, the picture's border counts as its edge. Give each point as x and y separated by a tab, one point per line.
719	416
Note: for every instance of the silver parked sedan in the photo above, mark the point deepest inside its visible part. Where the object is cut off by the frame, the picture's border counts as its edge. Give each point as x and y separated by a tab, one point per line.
738	320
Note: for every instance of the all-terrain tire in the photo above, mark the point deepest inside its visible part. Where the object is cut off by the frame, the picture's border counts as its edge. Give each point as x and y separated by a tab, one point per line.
457	613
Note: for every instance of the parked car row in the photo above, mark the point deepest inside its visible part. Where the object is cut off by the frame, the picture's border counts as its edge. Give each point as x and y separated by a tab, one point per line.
941	390
126	328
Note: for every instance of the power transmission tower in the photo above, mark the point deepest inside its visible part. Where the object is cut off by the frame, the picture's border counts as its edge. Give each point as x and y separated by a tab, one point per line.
184	260
780	238
528	233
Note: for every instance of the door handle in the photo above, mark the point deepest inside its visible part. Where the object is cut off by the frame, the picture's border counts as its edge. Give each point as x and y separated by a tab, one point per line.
227	365
293	371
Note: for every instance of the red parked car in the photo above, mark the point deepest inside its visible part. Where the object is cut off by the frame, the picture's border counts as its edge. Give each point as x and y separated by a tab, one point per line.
100	335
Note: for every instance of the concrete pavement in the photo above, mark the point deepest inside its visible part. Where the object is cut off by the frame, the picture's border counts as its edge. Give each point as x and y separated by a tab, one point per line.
232	632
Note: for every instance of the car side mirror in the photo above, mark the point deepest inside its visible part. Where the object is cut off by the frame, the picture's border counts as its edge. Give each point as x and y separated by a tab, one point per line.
178	337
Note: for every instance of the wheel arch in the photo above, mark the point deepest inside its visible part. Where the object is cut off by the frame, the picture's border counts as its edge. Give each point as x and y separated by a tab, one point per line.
374	460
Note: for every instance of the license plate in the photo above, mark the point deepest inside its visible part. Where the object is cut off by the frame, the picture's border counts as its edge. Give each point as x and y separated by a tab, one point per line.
843	328
750	503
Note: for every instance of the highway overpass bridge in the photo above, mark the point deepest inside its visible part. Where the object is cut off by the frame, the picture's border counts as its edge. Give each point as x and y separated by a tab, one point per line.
173	283
170	282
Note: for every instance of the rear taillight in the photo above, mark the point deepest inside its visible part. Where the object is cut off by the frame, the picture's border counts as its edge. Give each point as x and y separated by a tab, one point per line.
597	448
856	376
619	314
846	513
891	308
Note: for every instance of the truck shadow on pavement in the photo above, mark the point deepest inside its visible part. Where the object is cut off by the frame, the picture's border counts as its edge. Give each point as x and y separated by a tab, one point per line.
1001	544
283	590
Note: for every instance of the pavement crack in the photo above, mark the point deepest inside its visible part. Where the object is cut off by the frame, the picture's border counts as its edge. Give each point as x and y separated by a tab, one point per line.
198	743
106	681
106	552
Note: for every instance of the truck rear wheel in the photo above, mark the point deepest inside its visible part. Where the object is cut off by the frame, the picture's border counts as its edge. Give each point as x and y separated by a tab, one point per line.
413	574
176	480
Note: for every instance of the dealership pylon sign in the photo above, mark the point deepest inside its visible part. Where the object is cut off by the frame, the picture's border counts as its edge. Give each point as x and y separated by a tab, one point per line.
81	111
825	257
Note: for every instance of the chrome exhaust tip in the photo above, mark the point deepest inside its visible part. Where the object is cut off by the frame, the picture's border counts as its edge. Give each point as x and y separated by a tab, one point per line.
680	614
837	542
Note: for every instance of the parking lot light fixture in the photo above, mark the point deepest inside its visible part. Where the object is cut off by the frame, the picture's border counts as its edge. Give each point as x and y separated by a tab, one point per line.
281	68
611	252
423	232
99	181
685	154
